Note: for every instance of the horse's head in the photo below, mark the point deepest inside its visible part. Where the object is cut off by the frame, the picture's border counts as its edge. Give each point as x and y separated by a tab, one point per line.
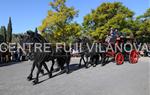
36	40
33	37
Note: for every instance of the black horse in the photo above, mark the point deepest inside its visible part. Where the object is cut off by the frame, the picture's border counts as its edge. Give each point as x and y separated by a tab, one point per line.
40	58
88	56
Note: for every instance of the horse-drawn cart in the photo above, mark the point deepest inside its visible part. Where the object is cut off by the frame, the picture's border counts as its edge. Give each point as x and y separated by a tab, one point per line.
124	49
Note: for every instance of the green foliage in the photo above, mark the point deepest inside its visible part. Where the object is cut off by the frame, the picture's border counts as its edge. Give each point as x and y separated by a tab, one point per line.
6	35
107	15
36	30
3	33
1	37
143	33
59	22
9	31
59	25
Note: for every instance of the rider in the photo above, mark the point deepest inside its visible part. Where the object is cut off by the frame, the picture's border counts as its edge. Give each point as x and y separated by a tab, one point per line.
113	35
109	35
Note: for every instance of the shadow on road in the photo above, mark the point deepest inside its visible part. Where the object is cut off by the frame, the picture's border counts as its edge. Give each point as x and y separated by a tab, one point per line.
10	63
73	67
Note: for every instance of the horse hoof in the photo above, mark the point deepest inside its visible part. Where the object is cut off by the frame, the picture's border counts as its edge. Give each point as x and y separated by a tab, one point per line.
67	72
103	64
56	70
62	71
79	66
42	72
50	75
29	78
94	65
86	66
35	82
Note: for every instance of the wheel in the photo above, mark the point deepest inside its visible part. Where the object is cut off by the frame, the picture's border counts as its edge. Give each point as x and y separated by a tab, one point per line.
133	57
119	58
148	54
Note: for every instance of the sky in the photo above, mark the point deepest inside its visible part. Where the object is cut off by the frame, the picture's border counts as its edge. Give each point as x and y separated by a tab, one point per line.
28	14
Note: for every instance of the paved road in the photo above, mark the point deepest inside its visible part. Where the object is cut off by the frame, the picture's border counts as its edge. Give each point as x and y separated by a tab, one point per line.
126	79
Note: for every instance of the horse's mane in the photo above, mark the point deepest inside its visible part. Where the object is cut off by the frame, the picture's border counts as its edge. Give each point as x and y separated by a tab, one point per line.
37	37
41	38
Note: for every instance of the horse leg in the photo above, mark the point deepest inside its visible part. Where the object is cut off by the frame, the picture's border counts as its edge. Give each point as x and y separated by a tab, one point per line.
96	60
67	70
52	68
105	61
42	71
31	74
80	61
62	65
57	69
86	62
92	60
36	80
45	66
68	61
82	58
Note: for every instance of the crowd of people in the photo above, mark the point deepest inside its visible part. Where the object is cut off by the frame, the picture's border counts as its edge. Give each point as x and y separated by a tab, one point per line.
16	56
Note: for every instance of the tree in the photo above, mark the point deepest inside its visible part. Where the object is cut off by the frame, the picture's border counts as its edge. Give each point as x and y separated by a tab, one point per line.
1	37
106	16
36	30
9	31
3	33
143	34
59	23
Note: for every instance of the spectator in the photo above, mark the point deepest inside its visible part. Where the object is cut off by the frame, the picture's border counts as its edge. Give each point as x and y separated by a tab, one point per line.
19	55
